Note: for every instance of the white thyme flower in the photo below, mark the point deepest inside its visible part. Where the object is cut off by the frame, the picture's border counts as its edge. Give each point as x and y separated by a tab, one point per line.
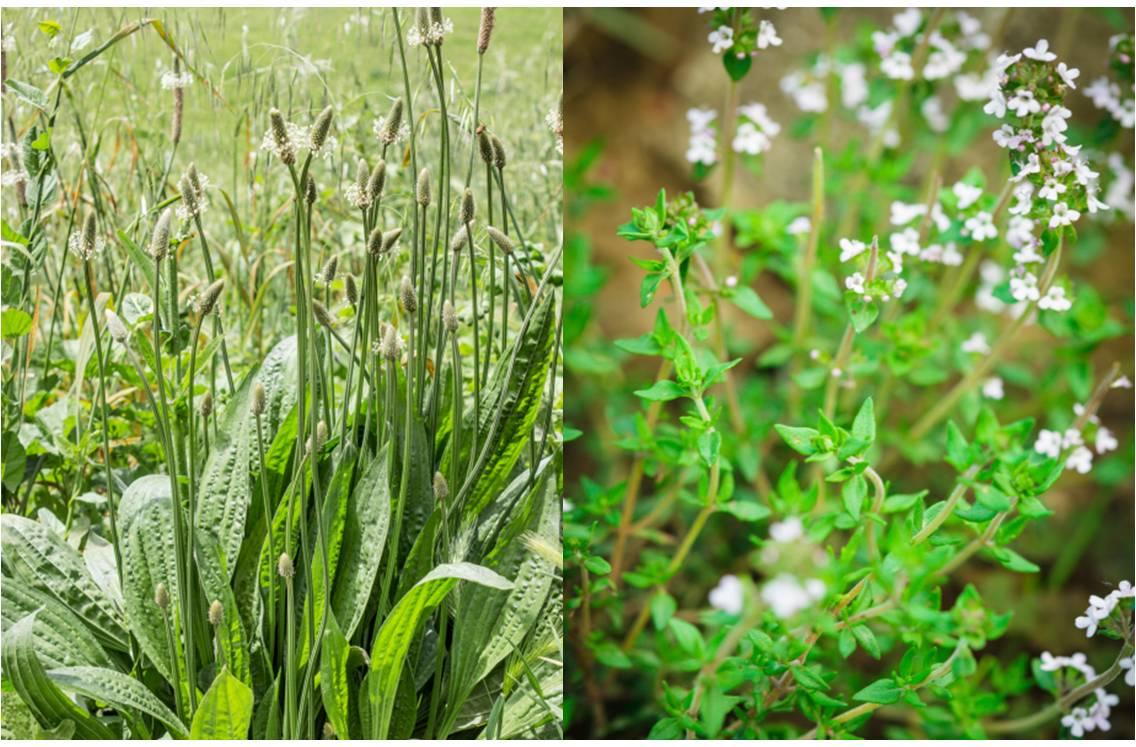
1080	460
980	227
728	595
1055	300
976	343
721	39
992	388
897	66
1122	383
1068	74
1105	441
967	194
1048	443
1129	671
903	213
1063	215
703	139
767	35
786	596
800	226
789	530
851	248
1040	52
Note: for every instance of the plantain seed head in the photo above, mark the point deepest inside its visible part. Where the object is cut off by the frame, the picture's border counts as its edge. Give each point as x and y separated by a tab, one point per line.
329	269
118	331
209	297
390	348
284	566
441	487
160	239
499	159
320	130
467	206
500	239
310	190
407	296
206	404
161	596
350	289
449	318
322	315
377	181
388	135
485	145
485	30
258	399
216	613
457	241
390	238
375	242
280	137
422	187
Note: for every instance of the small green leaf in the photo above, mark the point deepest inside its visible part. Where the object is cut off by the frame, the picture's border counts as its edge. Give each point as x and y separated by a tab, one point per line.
663	607
860	312
992	498
807	679
799	439
15	322
864	426
597	565
902	501
853	494
662	391
958	452
746	299
883	692
748	511
1014	562
688	638
867	640
736	67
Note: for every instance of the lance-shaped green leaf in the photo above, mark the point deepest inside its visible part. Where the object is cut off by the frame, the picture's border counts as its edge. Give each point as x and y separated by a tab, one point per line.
510	408
388	652
44	699
364	536
42	560
334	686
61	639
126	694
146	534
225	712
491	624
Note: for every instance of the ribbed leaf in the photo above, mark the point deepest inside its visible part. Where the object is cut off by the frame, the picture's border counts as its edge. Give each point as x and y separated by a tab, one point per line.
61	639
364	536
119	690
333	676
388	652
45	700
492	623
225	712
40	558
515	393
225	488
526	708
146	534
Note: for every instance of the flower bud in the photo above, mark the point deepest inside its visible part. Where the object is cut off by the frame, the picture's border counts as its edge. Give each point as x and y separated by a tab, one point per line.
206	404
498	152
189	196
391	346
449	317
457	241
377	181
90	236
161	596
375	242
216	613
503	242
194	179
485	30
118	331
329	269
422	188
390	238
258	399
441	488
310	190
322	315
209	297
320	130
160	239
467	206
280	137
407	296
389	133
350	289
485	145
284	566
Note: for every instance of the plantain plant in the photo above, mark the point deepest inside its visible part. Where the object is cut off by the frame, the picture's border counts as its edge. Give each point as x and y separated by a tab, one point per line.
353	536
